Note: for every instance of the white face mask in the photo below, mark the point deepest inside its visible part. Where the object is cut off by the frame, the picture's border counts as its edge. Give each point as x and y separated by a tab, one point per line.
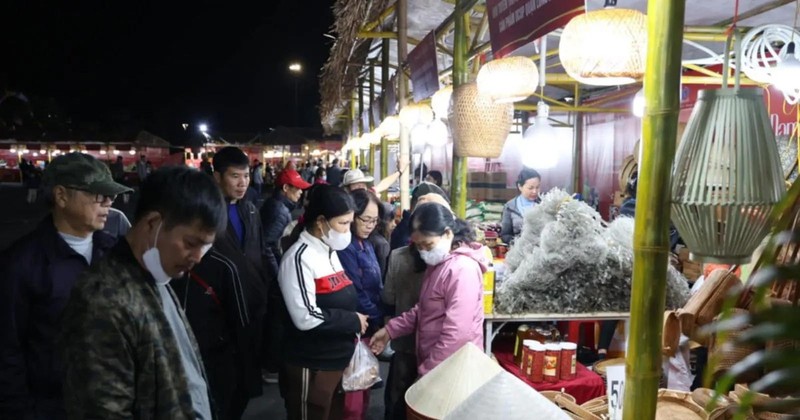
324	177
336	240
152	260
438	253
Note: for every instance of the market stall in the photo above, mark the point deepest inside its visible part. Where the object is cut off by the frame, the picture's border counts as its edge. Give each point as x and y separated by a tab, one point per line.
478	72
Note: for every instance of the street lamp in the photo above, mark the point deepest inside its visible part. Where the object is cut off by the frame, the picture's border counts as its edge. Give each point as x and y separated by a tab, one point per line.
296	69
203	128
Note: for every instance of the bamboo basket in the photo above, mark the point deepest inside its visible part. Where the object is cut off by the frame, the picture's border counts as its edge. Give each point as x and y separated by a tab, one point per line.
597	406
731	352
629	166
479	126
675	405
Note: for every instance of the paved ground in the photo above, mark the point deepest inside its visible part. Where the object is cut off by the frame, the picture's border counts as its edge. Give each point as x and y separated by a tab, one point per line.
17	218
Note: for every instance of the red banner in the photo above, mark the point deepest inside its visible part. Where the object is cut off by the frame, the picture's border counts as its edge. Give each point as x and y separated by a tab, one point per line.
514	23
424	68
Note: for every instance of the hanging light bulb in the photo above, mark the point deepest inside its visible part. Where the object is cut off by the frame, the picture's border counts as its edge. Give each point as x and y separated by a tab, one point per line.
438	133
637	106
605	47
440	101
538	146
786	75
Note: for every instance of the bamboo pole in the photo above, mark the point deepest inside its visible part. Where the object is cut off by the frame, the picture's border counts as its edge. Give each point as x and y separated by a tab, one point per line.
577	146
371	154
405	141
458	187
384	112
651	232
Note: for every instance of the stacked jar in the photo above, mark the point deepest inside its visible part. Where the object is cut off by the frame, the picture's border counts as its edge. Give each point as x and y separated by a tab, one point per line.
552	362
568	366
535	368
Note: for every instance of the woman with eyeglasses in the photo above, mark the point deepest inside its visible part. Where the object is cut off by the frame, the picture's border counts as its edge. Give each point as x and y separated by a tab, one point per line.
361	265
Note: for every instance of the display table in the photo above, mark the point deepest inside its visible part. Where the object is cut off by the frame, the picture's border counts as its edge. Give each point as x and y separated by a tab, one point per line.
495	318
586	386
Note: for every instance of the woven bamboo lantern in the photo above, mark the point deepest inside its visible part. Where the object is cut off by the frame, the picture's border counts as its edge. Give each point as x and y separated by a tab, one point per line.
605	47
727	175
479	125
413	114
440	101
390	127
509	79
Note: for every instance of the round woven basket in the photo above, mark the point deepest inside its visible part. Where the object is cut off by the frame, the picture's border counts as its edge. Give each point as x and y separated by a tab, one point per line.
597	406
678	406
479	126
551	395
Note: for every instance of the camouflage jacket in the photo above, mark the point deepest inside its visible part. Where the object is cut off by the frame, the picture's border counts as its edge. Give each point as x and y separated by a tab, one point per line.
121	359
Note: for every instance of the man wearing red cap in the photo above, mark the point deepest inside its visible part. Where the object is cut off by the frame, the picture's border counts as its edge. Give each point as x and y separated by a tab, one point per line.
276	214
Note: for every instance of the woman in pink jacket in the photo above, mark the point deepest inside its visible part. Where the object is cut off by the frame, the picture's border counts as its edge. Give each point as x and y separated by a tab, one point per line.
450	309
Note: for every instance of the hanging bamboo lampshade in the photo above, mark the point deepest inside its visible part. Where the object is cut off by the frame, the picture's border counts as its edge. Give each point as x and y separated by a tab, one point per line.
479	125
440	101
509	79
413	114
727	175
390	127
371	138
605	47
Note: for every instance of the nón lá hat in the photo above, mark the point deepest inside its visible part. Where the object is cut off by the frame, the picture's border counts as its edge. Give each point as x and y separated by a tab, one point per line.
506	397
448	385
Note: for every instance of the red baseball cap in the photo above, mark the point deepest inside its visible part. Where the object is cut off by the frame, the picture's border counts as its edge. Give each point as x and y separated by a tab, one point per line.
291	177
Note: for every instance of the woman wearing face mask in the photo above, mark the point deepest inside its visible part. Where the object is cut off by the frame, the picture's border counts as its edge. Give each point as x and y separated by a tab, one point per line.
320	177
361	266
450	309
322	303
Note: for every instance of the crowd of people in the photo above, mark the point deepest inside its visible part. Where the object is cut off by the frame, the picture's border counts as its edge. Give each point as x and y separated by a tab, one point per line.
208	293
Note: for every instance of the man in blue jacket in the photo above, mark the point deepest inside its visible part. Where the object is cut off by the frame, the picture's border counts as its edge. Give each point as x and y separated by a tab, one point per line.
37	274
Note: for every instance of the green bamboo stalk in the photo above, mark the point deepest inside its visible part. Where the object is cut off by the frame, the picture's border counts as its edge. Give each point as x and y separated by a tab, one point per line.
651	232
384	112
372	122
458	187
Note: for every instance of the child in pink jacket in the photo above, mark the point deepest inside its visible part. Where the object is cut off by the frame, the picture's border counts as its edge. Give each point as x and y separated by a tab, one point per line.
450	309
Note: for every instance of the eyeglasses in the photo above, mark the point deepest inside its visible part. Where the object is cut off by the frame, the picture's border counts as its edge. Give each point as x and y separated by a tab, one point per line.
369	220
98	198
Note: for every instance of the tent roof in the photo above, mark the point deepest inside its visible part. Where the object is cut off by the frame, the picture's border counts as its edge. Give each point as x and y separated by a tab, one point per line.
350	54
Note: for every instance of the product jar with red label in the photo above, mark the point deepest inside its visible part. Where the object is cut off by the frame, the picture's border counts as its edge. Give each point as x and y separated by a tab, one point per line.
552	362
536	373
525	358
569	354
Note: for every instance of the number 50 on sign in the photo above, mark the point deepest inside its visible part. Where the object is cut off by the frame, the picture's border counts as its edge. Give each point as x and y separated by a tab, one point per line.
615	389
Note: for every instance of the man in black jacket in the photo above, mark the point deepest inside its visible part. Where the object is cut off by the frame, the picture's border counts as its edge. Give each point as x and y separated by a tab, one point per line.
243	244
37	274
213	297
276	214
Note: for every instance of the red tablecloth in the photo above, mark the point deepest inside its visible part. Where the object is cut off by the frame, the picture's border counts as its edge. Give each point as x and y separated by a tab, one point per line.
586	386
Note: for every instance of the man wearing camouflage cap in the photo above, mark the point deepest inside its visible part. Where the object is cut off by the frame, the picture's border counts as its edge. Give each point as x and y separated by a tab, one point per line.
37	274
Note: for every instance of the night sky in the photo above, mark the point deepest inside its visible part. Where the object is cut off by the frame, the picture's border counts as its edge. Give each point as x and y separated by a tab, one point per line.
156	65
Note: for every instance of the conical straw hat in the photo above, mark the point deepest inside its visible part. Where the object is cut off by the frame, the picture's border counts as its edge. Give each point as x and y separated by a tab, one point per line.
505	397
450	383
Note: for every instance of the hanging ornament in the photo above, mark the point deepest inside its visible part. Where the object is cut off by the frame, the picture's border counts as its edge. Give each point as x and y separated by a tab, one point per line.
390	127
539	143
419	138
605	47
438	133
478	124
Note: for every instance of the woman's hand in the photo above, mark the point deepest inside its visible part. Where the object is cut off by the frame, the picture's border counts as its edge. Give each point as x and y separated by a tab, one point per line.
364	319
378	341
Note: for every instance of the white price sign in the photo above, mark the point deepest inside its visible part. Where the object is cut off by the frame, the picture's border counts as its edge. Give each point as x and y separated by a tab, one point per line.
615	389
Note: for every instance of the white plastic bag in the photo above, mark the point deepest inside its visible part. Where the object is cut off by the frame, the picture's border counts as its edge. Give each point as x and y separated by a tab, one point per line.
363	371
